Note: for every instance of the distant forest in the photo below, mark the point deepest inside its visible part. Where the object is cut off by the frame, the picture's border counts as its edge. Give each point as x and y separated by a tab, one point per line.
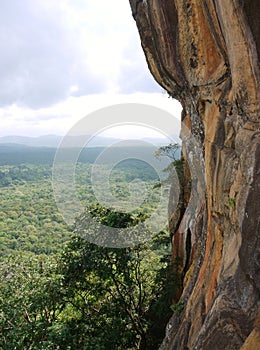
12	154
59	291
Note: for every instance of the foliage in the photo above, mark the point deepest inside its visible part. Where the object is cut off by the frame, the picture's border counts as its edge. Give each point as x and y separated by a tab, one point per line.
177	308
92	297
231	203
173	152
30	220
59	291
115	286
29	290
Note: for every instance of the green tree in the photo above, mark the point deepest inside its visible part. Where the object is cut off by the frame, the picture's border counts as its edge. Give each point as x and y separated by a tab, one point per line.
116	288
29	291
91	297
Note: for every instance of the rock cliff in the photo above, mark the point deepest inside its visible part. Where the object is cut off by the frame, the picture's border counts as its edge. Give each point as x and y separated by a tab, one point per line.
205	53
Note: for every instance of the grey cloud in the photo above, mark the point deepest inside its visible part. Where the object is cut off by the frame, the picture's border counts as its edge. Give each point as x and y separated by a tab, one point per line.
40	59
137	79
135	75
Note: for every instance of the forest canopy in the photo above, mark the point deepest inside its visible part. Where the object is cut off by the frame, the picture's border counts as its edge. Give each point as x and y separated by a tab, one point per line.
59	291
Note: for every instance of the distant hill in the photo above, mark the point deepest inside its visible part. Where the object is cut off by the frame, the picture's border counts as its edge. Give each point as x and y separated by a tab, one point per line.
13	154
53	141
41	150
41	141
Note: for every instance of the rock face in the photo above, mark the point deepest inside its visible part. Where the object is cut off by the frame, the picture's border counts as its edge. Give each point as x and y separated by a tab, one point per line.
205	53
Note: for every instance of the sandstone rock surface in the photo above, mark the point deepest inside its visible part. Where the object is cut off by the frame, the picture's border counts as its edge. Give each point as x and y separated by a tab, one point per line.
205	53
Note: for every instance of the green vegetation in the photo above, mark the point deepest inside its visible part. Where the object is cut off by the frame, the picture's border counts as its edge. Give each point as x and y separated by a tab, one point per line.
172	152
59	291
231	203
177	308
30	220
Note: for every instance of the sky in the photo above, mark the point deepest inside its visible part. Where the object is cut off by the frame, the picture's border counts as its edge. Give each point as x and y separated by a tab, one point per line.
61	60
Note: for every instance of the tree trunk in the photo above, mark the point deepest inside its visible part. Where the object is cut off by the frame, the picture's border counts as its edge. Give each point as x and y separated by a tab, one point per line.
205	53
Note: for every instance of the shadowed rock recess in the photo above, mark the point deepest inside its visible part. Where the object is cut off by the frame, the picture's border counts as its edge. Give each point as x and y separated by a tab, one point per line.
205	54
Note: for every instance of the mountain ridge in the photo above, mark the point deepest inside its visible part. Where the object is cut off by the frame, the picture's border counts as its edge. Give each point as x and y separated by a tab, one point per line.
53	141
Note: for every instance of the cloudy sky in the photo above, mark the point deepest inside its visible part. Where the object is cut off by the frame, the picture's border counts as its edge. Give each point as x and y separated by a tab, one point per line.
62	59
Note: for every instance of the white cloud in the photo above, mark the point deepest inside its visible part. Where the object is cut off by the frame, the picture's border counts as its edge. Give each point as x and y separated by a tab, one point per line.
63	59
59	118
48	46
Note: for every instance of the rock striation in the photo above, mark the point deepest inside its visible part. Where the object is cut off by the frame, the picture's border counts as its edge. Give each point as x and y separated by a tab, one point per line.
205	53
